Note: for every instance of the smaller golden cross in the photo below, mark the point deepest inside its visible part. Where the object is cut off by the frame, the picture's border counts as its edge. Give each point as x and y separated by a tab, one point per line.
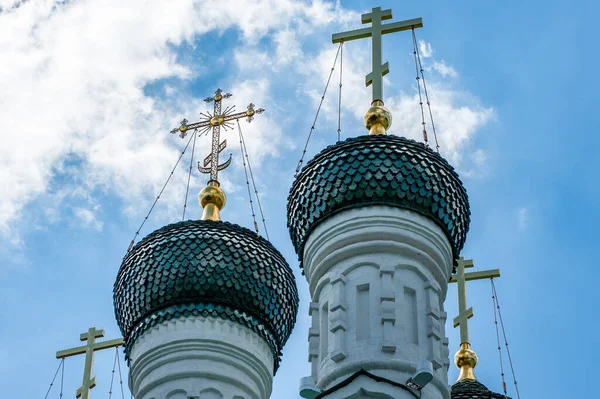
215	121
90	336
460	278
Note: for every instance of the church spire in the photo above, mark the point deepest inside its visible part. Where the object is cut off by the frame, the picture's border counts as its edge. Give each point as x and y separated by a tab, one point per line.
199	301
212	198
377	119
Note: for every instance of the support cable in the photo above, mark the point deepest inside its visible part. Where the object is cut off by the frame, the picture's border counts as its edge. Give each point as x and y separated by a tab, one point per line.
312	128
187	187
498	339
339	129
437	144
512	369
137	233
247	181
112	378
53	379
120	375
62	378
262	215
419	87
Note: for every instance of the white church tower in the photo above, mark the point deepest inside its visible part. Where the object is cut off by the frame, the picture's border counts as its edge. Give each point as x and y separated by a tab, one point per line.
205	306
377	222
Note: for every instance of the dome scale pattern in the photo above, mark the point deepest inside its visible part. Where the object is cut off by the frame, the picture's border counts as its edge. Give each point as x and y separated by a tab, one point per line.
472	389
378	170
206	268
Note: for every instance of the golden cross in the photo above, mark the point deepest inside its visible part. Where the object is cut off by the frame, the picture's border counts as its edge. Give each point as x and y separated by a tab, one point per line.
90	336
460	278
215	121
376	31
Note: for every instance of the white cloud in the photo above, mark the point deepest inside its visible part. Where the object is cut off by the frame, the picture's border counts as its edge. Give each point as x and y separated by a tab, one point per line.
88	218
443	69
477	167
523	218
425	49
479	157
73	76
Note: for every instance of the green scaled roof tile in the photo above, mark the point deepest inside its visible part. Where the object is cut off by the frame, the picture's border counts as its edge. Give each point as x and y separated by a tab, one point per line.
473	389
378	170
206	268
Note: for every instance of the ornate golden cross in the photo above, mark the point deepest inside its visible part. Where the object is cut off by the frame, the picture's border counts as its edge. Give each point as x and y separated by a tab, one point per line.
376	31
215	121
460	278
88	381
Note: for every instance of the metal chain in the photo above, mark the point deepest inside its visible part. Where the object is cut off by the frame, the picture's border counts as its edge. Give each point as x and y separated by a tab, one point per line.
137	233
339	129
53	379
419	87
437	144
187	187
112	378
512	369
262	215
494	304
312	128
247	181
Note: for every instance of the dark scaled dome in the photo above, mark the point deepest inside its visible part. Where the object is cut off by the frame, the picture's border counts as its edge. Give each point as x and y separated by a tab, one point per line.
206	268
473	389
378	170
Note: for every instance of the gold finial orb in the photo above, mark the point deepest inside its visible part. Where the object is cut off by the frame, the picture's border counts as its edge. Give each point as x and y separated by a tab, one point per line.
378	118
212	199
466	359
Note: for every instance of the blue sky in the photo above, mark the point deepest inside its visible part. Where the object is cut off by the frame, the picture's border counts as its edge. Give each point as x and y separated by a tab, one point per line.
89	91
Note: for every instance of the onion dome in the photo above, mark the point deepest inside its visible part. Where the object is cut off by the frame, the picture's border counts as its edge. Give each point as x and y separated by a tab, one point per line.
378	170
206	268
473	389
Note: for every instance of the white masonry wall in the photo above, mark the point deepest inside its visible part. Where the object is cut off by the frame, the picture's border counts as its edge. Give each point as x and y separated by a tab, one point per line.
201	358
378	279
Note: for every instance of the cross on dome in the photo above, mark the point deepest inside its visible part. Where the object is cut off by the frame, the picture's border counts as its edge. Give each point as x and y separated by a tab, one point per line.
377	119
465	358
90	336
214	121
376	30
212	197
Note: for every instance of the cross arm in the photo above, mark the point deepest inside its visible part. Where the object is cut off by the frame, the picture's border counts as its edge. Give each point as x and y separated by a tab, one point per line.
246	114
109	344
351	35
481	275
385	29
238	115
401	25
82	349
192	126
